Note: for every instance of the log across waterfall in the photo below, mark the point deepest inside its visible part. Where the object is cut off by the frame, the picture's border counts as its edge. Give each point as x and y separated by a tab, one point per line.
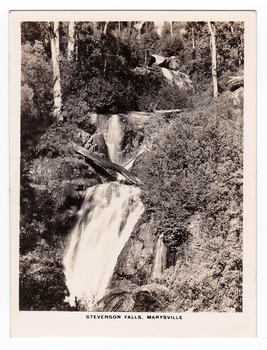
105	222
106	164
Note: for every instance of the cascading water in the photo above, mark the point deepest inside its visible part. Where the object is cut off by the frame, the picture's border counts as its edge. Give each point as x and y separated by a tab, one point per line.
160	259
113	139
105	222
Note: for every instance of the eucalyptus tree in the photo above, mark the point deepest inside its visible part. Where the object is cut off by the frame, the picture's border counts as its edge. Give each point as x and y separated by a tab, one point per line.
55	55
211	27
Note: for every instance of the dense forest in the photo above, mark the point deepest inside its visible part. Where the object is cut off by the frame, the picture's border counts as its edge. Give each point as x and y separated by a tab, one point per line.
177	88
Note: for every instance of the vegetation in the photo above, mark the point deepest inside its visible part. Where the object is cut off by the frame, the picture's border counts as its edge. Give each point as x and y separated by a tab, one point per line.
192	173
194	170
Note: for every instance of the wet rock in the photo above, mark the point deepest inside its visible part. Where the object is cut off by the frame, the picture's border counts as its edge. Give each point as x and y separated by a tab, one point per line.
137	257
177	78
97	144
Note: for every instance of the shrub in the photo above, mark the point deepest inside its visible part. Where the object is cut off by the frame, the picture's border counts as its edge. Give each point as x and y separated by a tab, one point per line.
42	285
194	167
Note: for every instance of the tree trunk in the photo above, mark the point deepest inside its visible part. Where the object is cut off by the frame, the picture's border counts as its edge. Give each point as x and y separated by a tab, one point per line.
76	47
56	72
105	27
193	38
71	42
94	26
138	27
213	59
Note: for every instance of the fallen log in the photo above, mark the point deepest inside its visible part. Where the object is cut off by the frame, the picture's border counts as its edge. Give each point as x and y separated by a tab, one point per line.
169	110
107	164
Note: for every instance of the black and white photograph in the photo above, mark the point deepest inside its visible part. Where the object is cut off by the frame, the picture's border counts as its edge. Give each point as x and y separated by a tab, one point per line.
131	151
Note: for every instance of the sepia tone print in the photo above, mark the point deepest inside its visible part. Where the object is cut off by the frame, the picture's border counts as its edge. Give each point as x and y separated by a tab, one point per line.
131	158
132	168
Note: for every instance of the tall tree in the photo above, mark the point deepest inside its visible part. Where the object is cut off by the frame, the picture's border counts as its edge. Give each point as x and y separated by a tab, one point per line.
193	38
171	28
105	28
71	41
54	36
138	26
213	58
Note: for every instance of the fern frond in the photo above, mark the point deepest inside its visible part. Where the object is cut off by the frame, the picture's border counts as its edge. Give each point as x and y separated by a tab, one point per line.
127	304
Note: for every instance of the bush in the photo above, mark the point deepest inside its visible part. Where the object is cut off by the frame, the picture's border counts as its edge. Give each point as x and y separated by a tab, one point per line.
171	45
42	285
194	167
167	97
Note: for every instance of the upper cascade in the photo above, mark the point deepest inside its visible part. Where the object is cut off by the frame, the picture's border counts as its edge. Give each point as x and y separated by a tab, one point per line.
113	141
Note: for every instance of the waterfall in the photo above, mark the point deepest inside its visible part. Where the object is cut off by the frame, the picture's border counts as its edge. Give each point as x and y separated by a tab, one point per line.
105	222
113	139
160	258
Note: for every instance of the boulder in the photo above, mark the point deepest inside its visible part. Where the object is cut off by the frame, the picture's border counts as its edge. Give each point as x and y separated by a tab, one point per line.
157	59
172	63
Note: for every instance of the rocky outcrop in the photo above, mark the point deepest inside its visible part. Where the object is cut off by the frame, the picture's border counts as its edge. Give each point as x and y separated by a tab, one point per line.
171	75
173	63
177	78
63	178
136	260
97	144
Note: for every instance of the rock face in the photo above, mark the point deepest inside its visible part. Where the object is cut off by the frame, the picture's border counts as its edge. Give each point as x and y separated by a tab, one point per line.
133	126
61	177
177	78
97	144
170	69
136	260
236	97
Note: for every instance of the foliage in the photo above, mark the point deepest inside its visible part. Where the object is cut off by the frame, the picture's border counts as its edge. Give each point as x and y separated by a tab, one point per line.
42	284
171	45
208	277
229	50
36	94
193	167
132	298
167	97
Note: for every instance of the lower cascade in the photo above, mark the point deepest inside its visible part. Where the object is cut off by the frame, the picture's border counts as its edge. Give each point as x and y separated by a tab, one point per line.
160	258
105	222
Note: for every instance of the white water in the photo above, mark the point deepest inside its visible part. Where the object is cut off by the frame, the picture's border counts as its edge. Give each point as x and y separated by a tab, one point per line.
160	259
114	138
106	220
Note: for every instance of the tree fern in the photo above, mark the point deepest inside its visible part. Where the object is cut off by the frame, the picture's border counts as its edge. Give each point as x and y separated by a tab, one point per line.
130	297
